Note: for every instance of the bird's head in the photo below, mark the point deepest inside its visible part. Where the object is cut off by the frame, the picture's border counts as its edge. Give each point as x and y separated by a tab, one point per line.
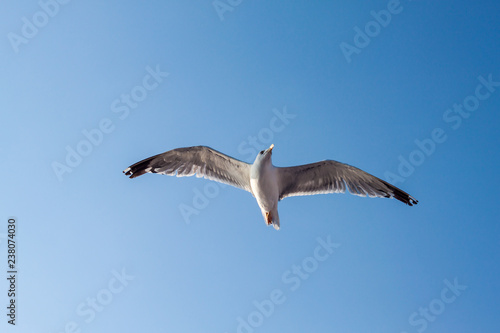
264	156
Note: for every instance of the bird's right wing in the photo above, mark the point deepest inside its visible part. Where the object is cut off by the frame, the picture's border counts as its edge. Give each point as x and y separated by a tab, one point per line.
200	161
332	176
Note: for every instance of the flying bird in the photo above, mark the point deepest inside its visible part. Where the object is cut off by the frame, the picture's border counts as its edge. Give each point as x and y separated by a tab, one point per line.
267	183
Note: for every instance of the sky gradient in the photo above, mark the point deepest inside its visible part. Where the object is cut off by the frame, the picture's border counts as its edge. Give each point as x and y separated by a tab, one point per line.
408	91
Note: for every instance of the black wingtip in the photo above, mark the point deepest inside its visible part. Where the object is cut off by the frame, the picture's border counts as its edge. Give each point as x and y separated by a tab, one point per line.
412	201
405	198
139	168
132	174
401	195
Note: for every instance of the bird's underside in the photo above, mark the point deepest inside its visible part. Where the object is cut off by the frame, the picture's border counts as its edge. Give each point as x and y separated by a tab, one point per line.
268	184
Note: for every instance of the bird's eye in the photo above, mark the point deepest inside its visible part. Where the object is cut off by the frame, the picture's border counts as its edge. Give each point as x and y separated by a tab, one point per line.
261	152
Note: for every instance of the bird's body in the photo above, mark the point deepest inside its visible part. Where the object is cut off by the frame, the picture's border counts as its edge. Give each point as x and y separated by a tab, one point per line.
267	183
265	188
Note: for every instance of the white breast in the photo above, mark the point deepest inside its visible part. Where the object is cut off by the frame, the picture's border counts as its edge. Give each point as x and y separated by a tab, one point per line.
265	188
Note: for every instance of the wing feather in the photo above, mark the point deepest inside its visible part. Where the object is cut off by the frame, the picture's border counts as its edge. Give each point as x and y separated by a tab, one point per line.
335	177
201	161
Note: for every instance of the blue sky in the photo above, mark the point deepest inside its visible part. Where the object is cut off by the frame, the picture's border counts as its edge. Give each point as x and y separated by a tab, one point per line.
413	98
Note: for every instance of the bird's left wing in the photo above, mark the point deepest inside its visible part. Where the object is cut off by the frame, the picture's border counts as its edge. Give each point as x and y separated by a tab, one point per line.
332	176
200	161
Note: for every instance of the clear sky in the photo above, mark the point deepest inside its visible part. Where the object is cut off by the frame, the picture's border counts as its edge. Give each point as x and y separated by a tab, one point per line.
408	91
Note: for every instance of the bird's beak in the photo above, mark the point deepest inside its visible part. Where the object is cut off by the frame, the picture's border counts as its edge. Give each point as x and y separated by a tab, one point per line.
271	148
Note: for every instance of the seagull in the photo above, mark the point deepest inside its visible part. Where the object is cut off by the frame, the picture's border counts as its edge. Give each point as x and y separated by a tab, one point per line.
267	183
